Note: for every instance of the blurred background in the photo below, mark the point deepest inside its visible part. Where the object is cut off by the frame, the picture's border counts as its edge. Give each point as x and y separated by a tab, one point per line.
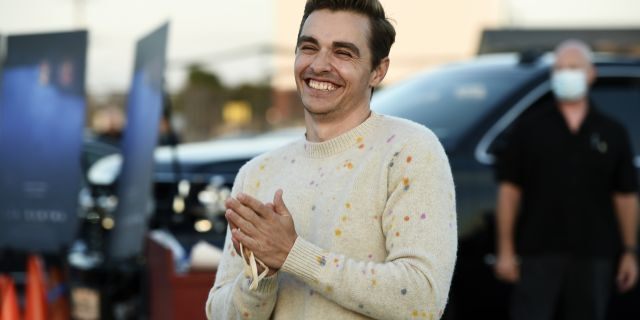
222	53
229	94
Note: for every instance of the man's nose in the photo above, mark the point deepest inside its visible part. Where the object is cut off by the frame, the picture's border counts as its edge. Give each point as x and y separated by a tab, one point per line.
321	62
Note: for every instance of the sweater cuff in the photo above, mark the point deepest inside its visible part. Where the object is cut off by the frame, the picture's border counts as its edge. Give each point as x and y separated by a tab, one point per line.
304	261
266	286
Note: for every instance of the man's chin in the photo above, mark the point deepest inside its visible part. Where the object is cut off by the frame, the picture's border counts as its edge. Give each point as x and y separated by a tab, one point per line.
319	110
318	105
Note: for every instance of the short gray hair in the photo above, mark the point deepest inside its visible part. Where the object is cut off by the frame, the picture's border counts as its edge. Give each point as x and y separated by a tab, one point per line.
580	45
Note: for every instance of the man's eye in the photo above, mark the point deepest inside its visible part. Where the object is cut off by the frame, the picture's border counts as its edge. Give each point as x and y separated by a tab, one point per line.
307	48
344	53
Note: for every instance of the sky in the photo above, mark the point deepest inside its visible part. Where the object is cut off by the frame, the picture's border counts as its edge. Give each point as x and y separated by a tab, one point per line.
200	30
211	31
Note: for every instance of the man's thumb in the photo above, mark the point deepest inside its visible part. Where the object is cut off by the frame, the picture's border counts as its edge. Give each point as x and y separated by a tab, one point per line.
278	203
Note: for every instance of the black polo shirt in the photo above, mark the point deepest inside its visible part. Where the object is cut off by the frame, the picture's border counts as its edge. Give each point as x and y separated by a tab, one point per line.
567	182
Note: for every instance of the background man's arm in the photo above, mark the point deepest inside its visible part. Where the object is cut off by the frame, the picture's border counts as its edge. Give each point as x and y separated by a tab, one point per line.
506	214
625	200
626	205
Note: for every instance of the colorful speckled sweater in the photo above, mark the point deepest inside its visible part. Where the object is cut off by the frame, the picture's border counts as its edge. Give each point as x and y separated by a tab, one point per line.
375	212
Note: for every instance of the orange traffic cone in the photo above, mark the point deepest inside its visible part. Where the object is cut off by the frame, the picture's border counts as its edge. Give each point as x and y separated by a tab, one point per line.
4	281
59	305
36	294
9	309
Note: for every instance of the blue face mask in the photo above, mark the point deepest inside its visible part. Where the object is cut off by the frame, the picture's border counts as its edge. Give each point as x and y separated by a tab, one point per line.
569	84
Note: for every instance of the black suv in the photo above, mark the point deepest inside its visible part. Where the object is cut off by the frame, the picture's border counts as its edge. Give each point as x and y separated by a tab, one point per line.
469	106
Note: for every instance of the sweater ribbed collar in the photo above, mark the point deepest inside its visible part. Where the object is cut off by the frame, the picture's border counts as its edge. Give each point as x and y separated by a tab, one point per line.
349	139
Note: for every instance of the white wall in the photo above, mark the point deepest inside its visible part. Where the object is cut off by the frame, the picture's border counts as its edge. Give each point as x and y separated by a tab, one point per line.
429	33
573	13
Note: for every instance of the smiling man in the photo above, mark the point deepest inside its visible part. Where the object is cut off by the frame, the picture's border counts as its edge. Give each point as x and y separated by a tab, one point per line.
357	219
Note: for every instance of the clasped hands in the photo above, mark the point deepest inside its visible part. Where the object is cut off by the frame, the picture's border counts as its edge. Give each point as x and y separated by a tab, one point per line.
265	229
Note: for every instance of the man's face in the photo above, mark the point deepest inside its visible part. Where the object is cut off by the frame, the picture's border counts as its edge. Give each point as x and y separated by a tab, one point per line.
572	58
333	63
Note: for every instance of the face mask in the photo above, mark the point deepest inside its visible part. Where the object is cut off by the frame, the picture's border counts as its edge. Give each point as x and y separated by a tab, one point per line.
569	84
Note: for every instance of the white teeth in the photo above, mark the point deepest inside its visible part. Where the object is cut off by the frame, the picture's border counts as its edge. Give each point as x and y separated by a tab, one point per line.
319	85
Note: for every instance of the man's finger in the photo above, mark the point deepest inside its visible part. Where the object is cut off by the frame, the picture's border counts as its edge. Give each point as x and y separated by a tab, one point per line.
254	204
622	282
628	280
242	210
236	245
625	277
246	240
633	278
231	224
239	222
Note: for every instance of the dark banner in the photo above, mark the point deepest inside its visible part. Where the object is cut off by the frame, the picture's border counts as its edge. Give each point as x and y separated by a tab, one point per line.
2	53
42	112
144	108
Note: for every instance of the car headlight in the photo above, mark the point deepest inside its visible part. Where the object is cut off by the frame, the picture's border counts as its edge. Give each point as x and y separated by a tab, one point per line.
213	197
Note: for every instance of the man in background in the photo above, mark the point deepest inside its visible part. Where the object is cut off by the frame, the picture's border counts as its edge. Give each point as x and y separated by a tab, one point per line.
567	210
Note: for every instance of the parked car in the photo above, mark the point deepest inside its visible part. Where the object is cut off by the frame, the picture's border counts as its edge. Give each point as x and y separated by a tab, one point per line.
469	105
191	182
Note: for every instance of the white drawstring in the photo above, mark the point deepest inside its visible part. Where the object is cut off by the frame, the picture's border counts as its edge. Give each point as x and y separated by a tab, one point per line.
251	268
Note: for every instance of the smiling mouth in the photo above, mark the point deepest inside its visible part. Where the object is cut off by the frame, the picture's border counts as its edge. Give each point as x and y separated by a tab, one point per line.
321	85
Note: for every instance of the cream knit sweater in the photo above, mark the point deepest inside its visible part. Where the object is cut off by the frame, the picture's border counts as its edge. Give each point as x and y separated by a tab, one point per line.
374	209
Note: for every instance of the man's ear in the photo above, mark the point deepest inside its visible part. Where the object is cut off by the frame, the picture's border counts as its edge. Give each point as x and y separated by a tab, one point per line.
378	74
591	74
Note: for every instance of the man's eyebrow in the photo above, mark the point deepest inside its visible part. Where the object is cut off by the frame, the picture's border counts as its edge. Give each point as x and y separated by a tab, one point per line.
336	44
307	39
347	45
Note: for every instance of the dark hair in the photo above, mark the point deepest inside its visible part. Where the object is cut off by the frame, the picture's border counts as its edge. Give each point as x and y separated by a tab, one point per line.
382	36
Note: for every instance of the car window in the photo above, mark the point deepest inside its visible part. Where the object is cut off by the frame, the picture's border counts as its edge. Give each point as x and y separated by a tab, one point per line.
451	100
620	99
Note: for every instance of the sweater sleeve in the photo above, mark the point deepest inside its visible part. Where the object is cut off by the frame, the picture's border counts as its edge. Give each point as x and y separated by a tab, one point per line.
230	297
419	225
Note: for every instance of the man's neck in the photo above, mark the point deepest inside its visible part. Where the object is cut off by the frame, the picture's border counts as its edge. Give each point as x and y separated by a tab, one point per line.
574	113
322	128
